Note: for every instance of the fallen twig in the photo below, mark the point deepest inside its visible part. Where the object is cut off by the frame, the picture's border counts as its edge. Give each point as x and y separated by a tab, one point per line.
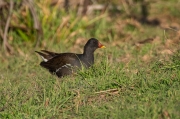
107	91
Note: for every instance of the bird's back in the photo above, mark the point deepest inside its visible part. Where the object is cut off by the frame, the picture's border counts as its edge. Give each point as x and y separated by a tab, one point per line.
63	64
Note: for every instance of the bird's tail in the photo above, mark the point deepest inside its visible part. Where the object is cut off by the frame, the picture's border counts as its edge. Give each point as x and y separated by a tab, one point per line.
47	55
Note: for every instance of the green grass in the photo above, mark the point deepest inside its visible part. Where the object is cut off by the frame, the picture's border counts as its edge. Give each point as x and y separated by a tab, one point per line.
109	89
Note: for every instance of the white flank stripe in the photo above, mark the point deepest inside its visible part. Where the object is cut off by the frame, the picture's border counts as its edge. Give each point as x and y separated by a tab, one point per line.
66	65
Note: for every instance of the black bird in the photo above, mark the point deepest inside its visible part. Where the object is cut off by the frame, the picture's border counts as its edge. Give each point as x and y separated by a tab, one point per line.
62	64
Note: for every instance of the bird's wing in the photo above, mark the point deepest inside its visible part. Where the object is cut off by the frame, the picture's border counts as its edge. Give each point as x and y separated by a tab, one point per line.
61	61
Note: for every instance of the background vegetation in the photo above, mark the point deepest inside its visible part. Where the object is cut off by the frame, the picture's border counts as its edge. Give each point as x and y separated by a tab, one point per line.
136	76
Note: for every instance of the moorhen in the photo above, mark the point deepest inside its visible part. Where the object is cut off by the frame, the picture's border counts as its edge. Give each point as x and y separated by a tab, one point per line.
62	64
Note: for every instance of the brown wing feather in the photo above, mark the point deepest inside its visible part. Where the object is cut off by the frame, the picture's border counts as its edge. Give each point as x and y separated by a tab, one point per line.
61	60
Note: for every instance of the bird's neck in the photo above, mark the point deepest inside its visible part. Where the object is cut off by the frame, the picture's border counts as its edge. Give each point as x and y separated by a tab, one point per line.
88	55
88	52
